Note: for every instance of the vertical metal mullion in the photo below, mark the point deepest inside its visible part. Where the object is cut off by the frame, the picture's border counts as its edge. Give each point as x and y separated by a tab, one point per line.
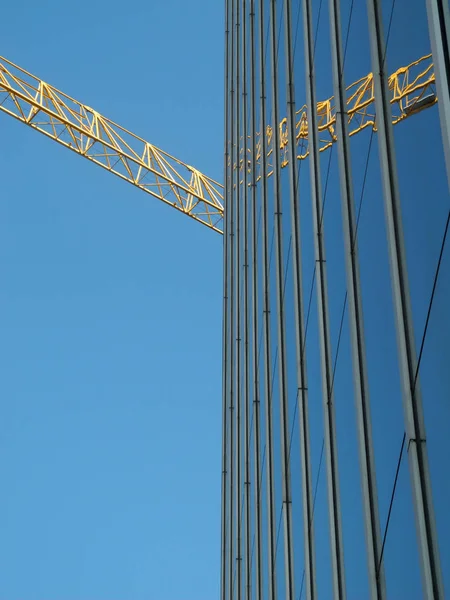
271	518
225	344
231	565
412	402
337	552
302	378
281	320
439	28
366	453
255	319
246	308
237	240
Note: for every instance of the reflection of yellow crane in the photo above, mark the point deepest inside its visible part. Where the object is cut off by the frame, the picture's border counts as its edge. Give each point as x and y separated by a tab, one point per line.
105	143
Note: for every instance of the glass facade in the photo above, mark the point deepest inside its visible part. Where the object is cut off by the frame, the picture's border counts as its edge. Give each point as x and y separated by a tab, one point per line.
336	330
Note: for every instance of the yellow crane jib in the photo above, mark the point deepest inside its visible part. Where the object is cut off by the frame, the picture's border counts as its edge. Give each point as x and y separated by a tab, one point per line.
100	140
86	132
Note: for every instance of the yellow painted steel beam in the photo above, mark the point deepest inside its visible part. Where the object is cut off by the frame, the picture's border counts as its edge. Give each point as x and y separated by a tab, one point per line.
100	140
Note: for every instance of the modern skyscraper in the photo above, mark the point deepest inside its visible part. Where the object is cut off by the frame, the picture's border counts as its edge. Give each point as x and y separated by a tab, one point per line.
335	246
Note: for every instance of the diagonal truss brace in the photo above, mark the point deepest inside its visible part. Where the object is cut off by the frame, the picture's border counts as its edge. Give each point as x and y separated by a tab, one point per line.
86	132
103	142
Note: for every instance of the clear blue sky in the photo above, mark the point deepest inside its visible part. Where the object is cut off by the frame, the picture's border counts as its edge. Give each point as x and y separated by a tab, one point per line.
110	313
110	303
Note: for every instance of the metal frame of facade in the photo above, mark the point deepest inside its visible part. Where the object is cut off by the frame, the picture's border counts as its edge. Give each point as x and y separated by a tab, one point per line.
366	451
255	346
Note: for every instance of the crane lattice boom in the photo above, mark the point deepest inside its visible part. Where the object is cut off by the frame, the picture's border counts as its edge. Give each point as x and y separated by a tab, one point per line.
86	132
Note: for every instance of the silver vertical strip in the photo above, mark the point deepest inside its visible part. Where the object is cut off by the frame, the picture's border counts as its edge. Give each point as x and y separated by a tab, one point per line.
412	402
439	27
231	296
281	319
255	319
377	582
225	344
302	381
271	517
237	241
246	310
334	503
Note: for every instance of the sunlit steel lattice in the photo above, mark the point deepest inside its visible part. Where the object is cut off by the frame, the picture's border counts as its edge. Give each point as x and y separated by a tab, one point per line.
85	131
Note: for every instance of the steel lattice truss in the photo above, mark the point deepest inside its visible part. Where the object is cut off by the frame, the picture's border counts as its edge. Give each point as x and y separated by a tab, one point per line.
100	140
109	145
